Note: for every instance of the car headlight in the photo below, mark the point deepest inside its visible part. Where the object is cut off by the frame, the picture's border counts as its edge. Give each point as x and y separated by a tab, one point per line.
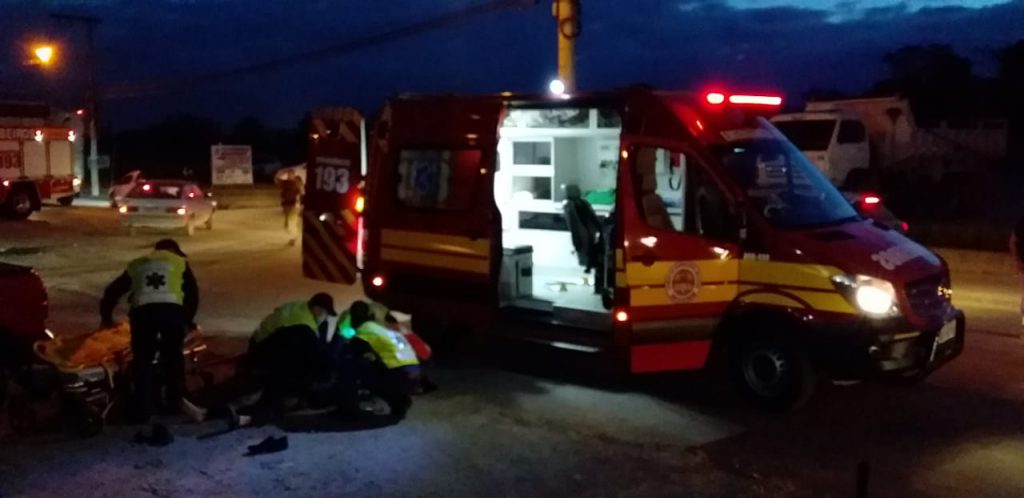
872	296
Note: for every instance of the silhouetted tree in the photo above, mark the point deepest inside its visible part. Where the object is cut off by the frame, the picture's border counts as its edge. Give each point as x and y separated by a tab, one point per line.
938	82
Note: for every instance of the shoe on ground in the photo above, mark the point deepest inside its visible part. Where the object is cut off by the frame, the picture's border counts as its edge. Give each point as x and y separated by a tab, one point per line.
269	445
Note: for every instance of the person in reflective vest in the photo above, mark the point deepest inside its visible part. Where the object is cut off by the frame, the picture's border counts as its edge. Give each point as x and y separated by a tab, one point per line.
388	367
288	348
164	297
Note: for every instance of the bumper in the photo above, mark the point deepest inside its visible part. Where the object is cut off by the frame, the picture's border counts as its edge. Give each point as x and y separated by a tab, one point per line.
153	221
879	350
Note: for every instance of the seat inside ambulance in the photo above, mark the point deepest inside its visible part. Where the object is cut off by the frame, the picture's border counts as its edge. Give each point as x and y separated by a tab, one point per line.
555	187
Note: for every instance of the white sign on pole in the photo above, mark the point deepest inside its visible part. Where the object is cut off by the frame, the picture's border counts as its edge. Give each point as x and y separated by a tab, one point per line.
231	164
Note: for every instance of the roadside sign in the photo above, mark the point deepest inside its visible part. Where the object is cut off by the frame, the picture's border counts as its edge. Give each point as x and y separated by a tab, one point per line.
231	164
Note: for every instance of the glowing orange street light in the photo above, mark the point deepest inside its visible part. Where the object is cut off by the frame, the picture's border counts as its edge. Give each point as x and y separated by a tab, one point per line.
44	53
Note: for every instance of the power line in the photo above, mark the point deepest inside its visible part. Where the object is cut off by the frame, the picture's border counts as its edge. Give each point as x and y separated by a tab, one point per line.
388	36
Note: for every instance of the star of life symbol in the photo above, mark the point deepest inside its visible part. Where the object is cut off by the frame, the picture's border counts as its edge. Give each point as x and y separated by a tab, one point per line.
155	280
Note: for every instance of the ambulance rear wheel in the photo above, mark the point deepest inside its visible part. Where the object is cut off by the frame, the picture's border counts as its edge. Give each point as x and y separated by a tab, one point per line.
441	334
773	372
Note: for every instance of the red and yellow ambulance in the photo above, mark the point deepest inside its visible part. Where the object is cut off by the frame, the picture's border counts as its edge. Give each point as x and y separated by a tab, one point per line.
666	229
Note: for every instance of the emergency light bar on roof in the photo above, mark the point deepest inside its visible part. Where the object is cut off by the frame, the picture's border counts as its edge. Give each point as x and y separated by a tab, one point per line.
718	98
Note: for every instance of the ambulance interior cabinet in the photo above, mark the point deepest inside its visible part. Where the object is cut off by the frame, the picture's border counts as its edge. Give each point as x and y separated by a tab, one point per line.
516	273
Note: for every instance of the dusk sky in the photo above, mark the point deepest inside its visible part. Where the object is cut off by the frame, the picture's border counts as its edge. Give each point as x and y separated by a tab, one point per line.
789	45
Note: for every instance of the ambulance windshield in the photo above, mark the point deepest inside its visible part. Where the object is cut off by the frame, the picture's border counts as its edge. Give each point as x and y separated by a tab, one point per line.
779	181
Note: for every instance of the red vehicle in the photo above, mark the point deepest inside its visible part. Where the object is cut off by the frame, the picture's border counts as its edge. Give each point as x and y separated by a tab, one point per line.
23	310
667	230
36	161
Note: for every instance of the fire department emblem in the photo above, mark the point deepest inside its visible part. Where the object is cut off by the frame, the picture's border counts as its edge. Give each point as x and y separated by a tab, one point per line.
683	282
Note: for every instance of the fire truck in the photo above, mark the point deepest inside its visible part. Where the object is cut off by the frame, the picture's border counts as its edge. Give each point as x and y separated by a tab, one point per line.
37	160
667	231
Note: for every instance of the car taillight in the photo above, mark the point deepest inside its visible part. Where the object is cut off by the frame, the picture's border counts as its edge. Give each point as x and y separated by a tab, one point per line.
871	199
180	211
6	183
360	204
128	209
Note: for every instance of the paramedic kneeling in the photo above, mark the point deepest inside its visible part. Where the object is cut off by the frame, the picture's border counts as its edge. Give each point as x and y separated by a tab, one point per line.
164	298
393	369
287	351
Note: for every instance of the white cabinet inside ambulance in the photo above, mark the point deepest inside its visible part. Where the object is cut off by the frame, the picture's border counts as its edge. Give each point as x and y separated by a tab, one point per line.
667	231
36	165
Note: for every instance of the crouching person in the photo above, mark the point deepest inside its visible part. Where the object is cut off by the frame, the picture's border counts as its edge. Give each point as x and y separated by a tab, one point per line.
380	360
287	354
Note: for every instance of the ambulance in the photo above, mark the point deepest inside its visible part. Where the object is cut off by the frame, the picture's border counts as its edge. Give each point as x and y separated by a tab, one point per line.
668	231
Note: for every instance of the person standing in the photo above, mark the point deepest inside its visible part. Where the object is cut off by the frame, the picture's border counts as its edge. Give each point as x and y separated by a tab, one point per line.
291	204
164	297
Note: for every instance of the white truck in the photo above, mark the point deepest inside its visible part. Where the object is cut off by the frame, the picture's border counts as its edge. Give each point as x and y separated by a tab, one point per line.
854	141
37	161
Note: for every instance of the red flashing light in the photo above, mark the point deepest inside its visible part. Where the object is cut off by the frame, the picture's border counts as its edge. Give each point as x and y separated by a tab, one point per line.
700	126
906	226
6	183
871	199
147	187
377	281
715	98
191	195
80	112
755	100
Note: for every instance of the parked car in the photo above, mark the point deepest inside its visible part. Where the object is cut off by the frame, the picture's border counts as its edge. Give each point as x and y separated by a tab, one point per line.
167	204
123	186
870	205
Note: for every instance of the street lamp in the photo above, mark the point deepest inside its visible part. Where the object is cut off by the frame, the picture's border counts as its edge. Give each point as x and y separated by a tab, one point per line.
44	54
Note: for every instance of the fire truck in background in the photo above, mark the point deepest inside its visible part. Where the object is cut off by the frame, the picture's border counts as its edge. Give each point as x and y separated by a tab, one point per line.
37	158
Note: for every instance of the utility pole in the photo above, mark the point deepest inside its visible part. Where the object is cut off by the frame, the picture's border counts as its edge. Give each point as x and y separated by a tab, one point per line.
92	97
567	17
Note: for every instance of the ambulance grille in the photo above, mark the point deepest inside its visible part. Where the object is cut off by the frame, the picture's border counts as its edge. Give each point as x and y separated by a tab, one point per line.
928	298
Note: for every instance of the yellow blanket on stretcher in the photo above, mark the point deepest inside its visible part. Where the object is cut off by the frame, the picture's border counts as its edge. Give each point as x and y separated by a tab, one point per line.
109	348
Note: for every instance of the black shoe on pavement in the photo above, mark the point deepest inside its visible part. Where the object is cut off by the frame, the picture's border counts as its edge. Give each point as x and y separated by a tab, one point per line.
269	445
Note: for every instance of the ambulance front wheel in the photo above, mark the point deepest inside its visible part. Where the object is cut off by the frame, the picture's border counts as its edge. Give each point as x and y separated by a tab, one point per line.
773	371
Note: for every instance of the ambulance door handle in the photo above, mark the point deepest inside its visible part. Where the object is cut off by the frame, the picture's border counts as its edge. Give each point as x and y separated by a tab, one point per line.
646	258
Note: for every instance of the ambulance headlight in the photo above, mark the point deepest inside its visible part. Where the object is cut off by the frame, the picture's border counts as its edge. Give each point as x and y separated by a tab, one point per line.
872	296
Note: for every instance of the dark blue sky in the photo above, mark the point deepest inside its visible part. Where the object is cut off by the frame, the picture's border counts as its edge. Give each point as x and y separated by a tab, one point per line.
791	45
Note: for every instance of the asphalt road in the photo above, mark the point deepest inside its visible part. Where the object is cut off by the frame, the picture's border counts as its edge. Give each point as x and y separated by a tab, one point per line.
529	422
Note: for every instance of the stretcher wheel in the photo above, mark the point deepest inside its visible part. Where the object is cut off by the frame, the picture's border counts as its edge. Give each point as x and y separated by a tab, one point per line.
89	422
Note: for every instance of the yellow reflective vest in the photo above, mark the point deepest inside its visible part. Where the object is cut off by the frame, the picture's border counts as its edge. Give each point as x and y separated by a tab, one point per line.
392	347
158	278
286	315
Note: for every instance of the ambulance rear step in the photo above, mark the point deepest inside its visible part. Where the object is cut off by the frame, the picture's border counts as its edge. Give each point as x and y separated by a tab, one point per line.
562	328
